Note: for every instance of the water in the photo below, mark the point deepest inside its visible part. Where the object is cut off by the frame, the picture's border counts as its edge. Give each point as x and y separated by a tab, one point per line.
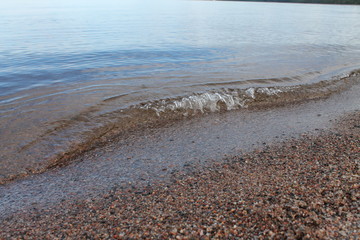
73	74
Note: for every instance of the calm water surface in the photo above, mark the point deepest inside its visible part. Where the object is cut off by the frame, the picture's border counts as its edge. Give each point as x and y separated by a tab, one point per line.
69	67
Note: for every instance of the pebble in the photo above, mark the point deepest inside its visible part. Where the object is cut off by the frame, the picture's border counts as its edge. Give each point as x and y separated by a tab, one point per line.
305	188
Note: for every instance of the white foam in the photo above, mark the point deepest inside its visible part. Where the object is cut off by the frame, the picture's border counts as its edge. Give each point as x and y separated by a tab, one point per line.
211	101
250	92
200	103
269	91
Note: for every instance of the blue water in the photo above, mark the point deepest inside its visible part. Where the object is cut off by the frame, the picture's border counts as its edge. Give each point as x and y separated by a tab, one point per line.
59	59
46	42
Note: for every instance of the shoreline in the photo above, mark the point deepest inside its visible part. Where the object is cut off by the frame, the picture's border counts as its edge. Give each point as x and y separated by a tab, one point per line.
67	140
162	114
154	155
301	188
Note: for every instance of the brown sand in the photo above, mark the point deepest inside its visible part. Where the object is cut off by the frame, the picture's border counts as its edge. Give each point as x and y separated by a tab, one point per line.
306	188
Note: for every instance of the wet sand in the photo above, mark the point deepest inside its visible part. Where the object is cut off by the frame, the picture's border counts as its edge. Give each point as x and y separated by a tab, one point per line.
153	155
301	188
290	171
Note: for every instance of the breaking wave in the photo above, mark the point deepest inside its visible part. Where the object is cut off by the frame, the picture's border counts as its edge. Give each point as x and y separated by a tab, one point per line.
72	137
231	99
224	99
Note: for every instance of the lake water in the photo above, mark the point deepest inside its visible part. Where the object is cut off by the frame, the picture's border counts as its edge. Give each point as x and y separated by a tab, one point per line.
75	73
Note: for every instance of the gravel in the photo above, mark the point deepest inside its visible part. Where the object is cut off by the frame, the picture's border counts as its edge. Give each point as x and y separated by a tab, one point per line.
306	188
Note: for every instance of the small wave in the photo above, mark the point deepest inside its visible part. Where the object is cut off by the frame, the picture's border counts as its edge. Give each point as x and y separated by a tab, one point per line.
227	99
230	99
90	129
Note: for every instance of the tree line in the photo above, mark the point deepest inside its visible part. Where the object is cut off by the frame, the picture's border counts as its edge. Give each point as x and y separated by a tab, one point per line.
308	1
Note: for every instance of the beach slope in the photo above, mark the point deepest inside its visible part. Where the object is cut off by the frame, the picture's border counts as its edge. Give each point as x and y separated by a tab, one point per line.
302	188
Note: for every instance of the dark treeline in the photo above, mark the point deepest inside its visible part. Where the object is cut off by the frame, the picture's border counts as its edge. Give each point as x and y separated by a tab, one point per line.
308	1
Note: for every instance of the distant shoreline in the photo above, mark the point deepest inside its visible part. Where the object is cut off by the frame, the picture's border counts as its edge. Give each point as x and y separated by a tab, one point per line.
342	2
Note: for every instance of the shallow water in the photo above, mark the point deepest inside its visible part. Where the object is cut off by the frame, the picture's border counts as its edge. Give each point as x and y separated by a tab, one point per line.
71	72
151	156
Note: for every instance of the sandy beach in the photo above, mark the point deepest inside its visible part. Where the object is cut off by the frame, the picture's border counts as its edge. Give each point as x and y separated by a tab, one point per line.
303	188
179	120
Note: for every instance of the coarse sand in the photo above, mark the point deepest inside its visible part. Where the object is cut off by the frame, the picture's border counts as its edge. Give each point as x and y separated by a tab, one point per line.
305	188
